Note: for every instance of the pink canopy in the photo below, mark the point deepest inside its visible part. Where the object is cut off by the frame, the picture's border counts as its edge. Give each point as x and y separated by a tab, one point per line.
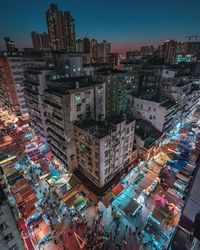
160	200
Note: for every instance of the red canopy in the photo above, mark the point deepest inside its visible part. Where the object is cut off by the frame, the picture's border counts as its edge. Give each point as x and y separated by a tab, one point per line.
117	189
23	227
160	200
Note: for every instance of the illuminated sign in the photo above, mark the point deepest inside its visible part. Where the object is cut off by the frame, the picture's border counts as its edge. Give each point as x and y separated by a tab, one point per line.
5	144
28	135
8	159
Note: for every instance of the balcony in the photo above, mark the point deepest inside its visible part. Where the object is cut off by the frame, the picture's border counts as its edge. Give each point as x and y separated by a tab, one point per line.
53	104
55	126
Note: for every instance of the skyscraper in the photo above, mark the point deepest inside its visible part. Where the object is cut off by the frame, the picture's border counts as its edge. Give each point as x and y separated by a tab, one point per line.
44	37
69	29
94	50
61	29
35	40
86	45
10	45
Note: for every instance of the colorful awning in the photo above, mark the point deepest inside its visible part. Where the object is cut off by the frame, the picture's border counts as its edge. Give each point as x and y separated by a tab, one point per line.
117	189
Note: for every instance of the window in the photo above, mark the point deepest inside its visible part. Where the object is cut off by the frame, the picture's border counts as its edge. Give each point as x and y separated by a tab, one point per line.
66	66
126	148
87	94
106	144
126	139
107	153
96	173
3	226
149	108
8	237
81	136
127	131
99	90
14	247
132	128
107	171
154	109
78	107
82	146
77	142
141	106
106	162
96	155
77	97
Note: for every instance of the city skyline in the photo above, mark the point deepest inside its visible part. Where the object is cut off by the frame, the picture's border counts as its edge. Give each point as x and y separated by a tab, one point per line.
138	27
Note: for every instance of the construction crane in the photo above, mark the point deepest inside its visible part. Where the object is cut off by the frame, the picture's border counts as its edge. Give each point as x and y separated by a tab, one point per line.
193	37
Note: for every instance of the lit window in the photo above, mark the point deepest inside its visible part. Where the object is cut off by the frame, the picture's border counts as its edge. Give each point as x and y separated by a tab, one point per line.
87	94
78	97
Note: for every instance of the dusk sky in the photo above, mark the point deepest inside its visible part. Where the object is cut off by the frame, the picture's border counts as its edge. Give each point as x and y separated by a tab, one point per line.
125	23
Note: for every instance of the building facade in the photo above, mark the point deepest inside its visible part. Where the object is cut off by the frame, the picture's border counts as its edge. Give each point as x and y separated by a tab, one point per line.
10	45
66	101
103	149
61	29
12	72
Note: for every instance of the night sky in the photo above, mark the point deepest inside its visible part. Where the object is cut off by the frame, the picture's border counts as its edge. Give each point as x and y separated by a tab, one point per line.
125	23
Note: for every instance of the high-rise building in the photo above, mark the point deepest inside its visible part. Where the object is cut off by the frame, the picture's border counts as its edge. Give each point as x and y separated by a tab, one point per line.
40	41
86	45
66	101
115	90
168	51
94	50
36	81
103	52
10	45
35	40
13	65
61	29
103	149
44	37
69	28
79	45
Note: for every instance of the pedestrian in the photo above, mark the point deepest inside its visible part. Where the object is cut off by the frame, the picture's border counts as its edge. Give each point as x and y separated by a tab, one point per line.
124	241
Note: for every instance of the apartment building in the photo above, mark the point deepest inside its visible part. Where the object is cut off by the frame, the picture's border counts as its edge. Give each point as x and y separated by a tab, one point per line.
103	148
147	139
36	81
10	237
67	100
177	83
157	109
12	67
115	89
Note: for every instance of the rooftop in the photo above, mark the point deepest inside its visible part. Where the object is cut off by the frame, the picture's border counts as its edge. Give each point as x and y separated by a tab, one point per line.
107	71
65	85
101	129
147	132
153	97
